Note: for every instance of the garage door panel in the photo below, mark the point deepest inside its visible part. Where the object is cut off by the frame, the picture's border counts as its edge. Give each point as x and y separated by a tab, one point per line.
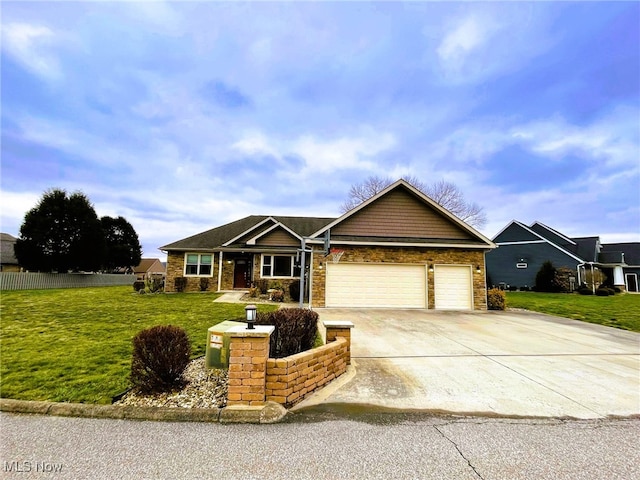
376	285
453	287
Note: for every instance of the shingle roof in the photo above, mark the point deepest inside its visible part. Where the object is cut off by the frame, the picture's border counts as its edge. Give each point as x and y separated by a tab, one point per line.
7	252
631	251
217	237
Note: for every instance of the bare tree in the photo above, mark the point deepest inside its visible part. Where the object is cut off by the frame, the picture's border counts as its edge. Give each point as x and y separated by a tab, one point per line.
445	194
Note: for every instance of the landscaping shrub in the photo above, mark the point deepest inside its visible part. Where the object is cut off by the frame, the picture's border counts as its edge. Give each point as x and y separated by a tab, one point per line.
204	284
160	355
294	291
585	291
545	277
155	284
605	291
496	299
262	285
295	330
180	283
277	296
138	285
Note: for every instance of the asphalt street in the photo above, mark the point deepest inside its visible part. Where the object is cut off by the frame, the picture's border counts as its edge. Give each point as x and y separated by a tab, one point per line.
321	444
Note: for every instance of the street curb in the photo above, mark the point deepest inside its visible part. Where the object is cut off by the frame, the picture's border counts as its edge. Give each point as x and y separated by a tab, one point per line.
270	412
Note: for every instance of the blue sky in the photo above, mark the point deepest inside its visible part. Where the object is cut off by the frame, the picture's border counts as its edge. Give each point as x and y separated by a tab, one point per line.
184	116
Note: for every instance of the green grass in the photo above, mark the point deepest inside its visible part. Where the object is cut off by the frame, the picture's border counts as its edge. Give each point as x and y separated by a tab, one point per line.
74	345
620	311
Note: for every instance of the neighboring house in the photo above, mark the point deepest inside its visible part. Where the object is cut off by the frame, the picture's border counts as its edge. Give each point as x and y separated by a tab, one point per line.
399	249
523	249
149	267
8	260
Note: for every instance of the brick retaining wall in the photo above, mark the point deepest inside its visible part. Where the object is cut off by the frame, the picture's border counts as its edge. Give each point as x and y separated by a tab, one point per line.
254	378
292	378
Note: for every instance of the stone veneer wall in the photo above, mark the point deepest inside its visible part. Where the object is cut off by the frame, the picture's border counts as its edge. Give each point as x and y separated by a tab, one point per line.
414	255
175	268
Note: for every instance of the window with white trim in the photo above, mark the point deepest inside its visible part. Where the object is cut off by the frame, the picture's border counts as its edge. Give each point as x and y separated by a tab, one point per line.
283	266
198	264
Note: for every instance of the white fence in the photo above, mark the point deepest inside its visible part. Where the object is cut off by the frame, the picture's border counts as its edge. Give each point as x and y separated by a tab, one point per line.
38	281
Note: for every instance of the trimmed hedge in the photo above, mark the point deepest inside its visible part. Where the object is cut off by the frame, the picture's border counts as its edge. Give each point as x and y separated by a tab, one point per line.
295	330
160	355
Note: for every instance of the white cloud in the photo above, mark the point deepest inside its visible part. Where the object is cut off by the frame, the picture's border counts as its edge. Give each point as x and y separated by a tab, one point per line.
15	205
612	138
466	38
342	153
29	45
255	143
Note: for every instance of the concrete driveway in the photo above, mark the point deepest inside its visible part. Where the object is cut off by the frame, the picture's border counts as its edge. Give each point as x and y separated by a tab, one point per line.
490	363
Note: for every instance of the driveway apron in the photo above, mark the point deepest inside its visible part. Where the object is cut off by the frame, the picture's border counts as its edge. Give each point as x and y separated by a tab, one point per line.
489	363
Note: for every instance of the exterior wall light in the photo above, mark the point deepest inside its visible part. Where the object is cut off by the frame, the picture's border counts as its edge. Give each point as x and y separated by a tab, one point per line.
251	316
478	269
431	268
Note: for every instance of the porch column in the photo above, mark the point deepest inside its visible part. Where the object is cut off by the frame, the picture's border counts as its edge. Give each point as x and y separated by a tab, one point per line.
220	270
618	277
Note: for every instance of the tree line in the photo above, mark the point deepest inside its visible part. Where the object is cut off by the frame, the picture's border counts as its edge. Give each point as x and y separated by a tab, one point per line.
63	233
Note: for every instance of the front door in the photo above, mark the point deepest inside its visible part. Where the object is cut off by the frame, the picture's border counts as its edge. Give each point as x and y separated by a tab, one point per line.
242	273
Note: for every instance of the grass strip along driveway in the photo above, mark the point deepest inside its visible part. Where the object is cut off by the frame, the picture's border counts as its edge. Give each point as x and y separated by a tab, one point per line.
620	311
74	345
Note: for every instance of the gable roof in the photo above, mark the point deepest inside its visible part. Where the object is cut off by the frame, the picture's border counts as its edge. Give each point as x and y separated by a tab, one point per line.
517	232
146	264
630	250
449	231
237	234
583	249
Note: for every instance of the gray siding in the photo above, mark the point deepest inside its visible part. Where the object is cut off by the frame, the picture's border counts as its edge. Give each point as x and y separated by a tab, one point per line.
501	263
515	233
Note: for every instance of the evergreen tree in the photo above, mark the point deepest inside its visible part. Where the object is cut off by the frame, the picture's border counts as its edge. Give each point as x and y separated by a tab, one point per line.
122	245
62	233
546	278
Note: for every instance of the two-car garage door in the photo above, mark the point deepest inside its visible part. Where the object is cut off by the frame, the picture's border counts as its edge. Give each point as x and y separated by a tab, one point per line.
360	285
376	285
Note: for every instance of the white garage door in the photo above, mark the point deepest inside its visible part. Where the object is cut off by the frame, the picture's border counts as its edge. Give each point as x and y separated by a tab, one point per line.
453	288
376	285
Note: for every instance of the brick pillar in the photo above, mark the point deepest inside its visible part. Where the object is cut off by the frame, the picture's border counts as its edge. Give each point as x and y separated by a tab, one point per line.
248	354
339	328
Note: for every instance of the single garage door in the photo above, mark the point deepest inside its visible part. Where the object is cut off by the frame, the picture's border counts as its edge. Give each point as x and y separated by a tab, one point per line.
453	287
376	285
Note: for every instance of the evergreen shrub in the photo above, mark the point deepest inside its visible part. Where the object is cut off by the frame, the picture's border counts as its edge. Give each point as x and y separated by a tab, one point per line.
295	330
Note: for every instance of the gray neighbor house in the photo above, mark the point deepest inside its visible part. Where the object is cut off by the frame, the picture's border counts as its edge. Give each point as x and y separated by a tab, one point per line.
523	249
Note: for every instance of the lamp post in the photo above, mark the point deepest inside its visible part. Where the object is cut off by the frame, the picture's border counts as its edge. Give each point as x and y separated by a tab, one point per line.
251	316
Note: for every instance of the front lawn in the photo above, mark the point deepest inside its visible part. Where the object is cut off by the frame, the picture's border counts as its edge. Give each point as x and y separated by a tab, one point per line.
74	345
620	311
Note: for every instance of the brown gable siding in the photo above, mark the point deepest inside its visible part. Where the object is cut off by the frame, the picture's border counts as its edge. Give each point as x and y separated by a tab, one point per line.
399	214
278	238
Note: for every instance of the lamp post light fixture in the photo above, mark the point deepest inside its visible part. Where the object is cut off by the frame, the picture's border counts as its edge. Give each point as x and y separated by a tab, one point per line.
251	316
